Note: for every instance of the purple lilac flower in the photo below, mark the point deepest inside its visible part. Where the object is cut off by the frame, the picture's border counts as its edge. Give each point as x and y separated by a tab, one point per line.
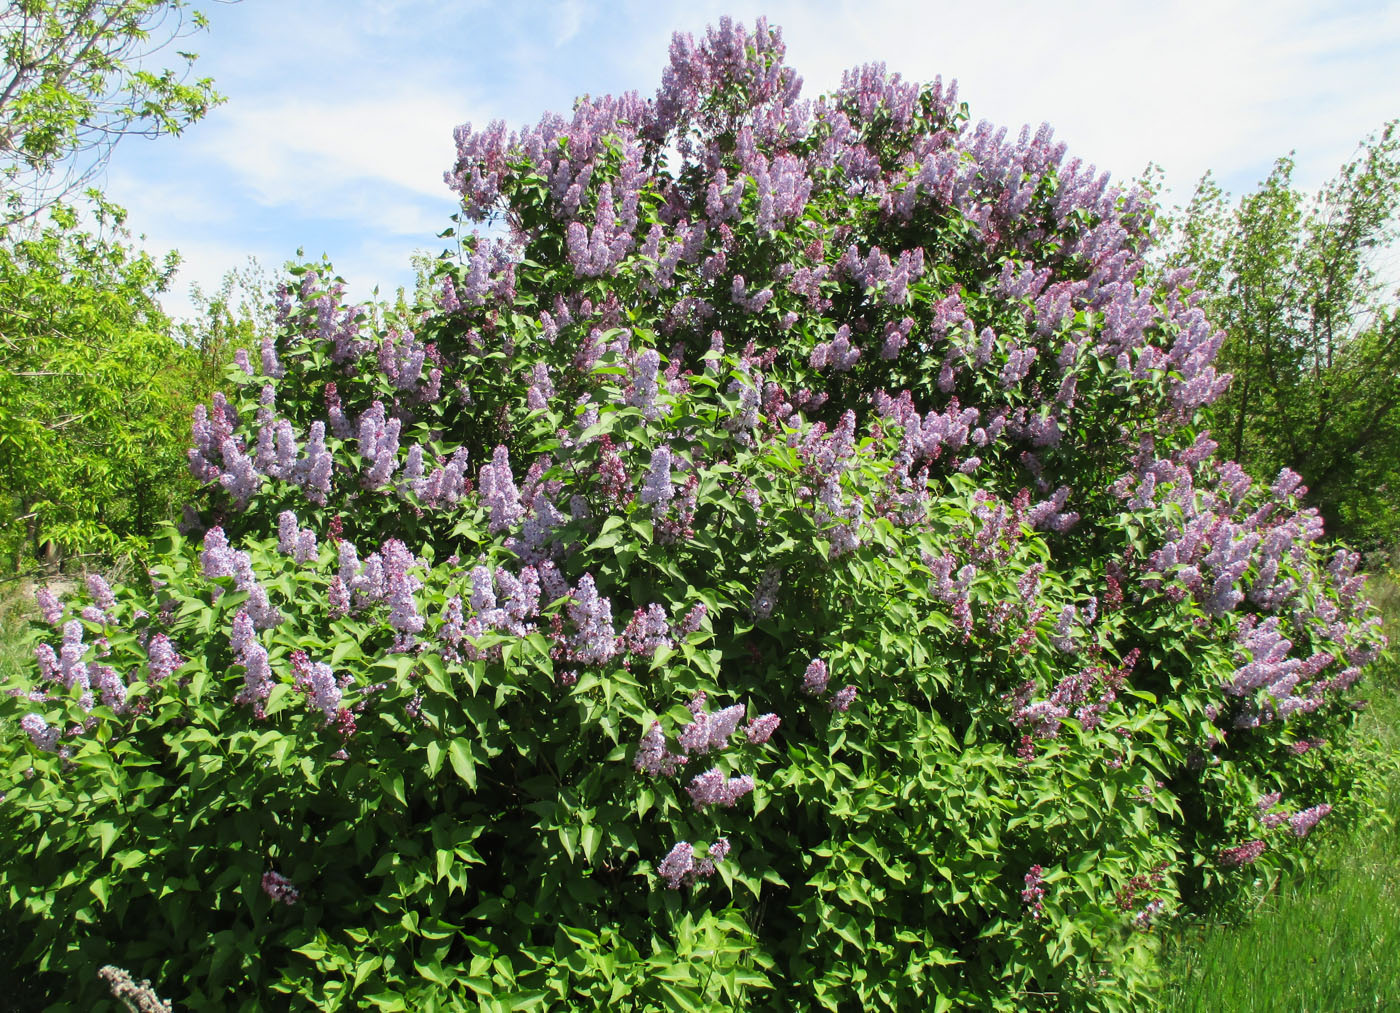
677	864
541	389
399	586
1241	855
653	758
644	386
657	490
239	476
162	658
39	732
691	621
709	731
101	592
761	728
286	532
499	493
264	614
814	680
648	632
1033	893
270	364
595	640
252	656
49	606
279	888
216	558
1303	822
112	688
322	689
713	788
318	465
338	597
71	668
843	699
48	661
306	551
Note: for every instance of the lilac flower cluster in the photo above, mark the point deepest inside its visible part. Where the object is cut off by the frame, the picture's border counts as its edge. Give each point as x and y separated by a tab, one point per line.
644	385
217	456
219	560
499	492
162	658
67	665
1303	822
252	656
680	866
653	757
299	544
317	680
657	490
648	632
1243	854
379	445
708	731
1034	892
713	788
594	640
44	737
279	888
49	606
814	680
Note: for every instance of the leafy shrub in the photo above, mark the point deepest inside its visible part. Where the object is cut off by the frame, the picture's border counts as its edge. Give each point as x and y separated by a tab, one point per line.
780	571
95	389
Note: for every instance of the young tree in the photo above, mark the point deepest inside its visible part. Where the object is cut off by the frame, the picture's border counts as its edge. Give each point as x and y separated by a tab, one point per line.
1304	286
94	389
93	383
77	79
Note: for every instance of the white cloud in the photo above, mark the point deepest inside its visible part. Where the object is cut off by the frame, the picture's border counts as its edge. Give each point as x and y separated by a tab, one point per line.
566	19
292	150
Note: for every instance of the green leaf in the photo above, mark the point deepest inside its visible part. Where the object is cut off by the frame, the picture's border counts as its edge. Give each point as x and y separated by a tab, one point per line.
459	751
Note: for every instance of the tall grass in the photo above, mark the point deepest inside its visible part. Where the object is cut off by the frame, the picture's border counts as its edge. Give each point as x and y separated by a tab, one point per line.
1330	941
16	608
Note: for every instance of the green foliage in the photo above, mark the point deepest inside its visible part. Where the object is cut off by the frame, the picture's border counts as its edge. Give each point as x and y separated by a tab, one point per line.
95	393
413	755
1304	287
79	76
1321	941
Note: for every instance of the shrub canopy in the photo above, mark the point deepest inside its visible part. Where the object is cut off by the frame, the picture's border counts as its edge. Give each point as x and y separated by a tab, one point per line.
780	570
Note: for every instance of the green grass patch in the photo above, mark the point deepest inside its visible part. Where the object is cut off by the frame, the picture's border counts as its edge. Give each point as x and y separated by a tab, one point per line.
1328	941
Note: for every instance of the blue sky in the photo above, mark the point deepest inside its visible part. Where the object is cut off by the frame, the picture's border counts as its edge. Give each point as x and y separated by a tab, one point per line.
339	119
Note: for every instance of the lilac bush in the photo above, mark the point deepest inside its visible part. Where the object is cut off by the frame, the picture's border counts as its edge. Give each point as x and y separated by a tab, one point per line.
819	479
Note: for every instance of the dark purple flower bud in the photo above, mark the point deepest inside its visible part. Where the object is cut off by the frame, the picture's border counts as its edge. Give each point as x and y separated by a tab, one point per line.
279	888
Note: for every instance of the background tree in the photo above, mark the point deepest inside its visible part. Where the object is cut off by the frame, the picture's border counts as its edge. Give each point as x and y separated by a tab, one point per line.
95	392
78	78
96	385
1304	287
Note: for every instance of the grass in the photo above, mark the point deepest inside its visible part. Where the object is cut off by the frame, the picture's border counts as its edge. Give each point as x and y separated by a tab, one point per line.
1326	943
